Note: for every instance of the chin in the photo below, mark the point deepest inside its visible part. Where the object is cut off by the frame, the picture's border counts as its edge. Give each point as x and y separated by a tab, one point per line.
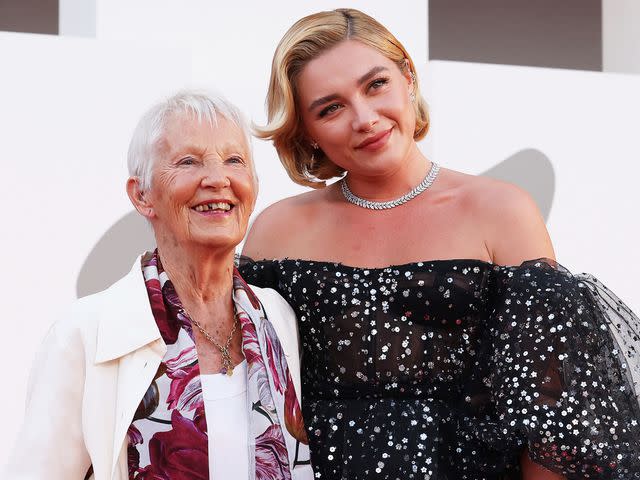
219	241
380	162
377	168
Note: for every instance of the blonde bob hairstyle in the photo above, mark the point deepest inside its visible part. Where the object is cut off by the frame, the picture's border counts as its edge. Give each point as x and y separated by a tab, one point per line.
308	38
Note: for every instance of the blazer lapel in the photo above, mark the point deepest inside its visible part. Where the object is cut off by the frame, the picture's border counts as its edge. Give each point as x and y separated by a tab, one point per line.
129	335
127	322
136	372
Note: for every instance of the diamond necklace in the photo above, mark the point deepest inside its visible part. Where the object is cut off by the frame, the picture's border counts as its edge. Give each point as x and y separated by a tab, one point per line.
421	187
227	366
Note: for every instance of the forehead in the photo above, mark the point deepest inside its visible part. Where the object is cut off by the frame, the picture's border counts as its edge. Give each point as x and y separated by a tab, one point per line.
346	62
184	131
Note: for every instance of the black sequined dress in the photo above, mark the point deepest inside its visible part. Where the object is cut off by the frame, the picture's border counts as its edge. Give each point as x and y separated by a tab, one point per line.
449	369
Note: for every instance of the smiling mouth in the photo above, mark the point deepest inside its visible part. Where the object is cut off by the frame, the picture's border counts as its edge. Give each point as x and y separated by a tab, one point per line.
375	141
213	207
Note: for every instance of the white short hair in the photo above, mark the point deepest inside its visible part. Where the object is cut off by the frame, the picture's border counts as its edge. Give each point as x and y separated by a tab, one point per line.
151	127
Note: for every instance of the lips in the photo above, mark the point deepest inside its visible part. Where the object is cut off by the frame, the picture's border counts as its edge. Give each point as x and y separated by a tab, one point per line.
375	141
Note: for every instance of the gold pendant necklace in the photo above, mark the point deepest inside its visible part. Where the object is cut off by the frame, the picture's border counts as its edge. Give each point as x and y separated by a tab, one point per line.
227	365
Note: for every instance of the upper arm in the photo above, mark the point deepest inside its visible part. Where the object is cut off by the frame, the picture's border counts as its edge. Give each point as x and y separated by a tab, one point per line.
533	471
258	238
50	443
270	232
516	229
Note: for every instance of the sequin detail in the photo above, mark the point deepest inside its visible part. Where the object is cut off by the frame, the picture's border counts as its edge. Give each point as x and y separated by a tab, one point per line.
449	369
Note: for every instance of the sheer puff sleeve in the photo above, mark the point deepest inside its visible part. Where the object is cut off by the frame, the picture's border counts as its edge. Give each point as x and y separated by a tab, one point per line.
564	356
261	273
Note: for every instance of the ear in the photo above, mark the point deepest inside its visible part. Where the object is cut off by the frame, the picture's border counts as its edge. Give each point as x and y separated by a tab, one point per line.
139	198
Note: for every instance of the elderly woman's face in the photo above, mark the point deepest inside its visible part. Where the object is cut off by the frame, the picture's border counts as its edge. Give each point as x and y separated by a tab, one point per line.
203	187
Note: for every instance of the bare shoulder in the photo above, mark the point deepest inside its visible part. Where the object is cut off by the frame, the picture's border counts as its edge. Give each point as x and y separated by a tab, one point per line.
274	228
495	198
509	218
486	195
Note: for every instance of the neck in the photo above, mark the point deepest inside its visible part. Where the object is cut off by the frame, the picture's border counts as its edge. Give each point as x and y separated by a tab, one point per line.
200	275
391	184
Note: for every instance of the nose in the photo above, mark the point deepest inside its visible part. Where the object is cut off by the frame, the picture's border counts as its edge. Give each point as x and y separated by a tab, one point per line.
365	116
215	175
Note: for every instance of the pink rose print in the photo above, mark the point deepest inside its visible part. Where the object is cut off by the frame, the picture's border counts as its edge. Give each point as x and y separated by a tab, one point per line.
292	414
184	371
179	454
271	456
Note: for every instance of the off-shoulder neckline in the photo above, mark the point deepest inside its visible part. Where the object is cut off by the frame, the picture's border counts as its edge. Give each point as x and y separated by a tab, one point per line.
399	266
419	263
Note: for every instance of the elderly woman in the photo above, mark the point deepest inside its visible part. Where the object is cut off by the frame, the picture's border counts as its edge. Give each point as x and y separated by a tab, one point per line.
180	370
424	356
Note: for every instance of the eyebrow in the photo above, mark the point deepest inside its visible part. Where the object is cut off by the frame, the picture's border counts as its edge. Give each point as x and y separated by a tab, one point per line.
176	153
360	81
371	73
322	100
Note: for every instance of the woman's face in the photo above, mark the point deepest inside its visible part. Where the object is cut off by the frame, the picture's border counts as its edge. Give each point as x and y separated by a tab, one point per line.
355	103
203	186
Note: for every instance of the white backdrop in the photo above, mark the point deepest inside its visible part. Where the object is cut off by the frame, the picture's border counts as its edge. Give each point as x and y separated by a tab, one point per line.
69	105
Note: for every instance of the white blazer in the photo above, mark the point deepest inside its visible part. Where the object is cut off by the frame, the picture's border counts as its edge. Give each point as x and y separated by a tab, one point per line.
90	374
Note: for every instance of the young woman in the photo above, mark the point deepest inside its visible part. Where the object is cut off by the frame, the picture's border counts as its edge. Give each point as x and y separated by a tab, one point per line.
422	356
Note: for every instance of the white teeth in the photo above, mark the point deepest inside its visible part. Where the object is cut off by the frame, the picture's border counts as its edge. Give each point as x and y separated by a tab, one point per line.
225	207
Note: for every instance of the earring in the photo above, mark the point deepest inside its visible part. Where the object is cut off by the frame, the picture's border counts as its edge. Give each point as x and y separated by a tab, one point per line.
315	147
412	95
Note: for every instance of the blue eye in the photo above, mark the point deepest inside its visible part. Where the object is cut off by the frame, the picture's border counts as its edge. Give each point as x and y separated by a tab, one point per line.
329	109
378	82
236	159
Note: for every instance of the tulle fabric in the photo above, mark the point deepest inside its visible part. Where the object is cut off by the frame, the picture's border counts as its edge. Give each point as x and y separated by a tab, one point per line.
562	354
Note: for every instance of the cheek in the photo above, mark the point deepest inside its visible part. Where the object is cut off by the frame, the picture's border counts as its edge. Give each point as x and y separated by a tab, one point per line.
246	190
406	108
402	114
178	184
336	135
397	104
328	132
